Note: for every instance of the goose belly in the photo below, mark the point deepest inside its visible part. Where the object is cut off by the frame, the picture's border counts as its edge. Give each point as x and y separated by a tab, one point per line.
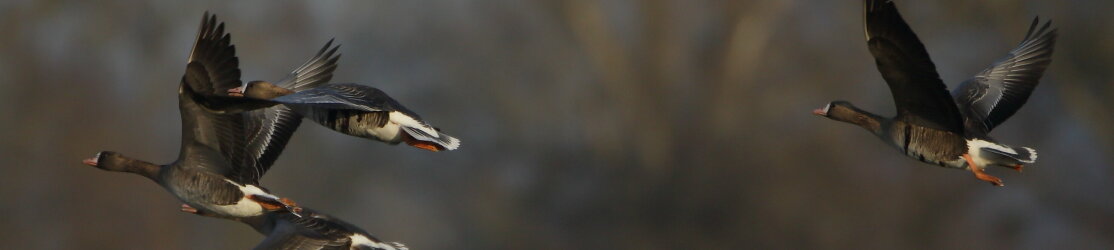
930	146
242	208
956	162
959	163
371	125
209	195
390	132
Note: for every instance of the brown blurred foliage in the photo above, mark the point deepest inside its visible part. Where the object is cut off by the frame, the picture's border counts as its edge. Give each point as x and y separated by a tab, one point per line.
586	124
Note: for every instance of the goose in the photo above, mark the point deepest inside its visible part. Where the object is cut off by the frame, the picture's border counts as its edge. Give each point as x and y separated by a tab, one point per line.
356	110
224	154
311	230
933	126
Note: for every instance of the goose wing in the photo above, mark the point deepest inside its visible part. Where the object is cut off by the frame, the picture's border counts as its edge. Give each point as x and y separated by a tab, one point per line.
272	127
295	241
330	104
211	140
312	230
996	93
316	71
919	94
345	96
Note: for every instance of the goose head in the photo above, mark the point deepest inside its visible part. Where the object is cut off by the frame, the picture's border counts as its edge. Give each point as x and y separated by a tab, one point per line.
116	162
846	112
264	90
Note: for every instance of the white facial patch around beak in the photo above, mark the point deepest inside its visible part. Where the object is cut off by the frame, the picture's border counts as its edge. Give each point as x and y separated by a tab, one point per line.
823	111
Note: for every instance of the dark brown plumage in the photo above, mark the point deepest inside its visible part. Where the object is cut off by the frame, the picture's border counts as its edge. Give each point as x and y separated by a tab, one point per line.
356	110
223	154
930	125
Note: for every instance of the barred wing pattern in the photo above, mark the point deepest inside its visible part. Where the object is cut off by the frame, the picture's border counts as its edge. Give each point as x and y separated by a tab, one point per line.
996	93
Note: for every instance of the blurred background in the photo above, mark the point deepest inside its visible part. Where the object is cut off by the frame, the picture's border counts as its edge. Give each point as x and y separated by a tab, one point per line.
586	124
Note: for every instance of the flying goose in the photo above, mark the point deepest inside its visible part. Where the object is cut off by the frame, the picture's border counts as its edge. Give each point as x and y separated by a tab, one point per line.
311	230
931	125
223	154
356	110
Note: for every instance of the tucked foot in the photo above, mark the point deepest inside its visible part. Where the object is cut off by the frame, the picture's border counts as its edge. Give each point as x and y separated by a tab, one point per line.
980	174
272	204
236	92
1018	167
426	146
189	209
268	203
291	206
287	202
421	144
993	180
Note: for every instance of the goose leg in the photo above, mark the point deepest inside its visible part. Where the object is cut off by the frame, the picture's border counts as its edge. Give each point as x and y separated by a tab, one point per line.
980	174
271	204
189	209
1018	167
419	143
291	205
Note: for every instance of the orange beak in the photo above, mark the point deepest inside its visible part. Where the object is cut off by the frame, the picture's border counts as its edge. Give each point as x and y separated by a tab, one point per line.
819	112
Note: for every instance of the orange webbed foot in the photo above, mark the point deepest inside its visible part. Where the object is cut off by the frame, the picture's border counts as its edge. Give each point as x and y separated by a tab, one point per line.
268	204
993	180
421	144
426	146
291	205
980	174
1018	167
188	209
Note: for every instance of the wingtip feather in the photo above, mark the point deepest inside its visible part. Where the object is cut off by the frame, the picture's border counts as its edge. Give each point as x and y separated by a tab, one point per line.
452	144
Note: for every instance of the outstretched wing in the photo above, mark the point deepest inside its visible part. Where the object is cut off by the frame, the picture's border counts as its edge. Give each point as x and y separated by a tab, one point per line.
324	226
318	70
211	140
345	96
339	106
294	241
272	127
919	94
996	93
318	231
217	66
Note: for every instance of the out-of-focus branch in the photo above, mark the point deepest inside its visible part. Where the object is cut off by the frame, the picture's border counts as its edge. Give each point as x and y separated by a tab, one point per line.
743	52
630	89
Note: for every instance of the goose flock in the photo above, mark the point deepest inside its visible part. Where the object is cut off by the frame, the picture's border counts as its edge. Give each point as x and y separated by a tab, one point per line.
232	133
